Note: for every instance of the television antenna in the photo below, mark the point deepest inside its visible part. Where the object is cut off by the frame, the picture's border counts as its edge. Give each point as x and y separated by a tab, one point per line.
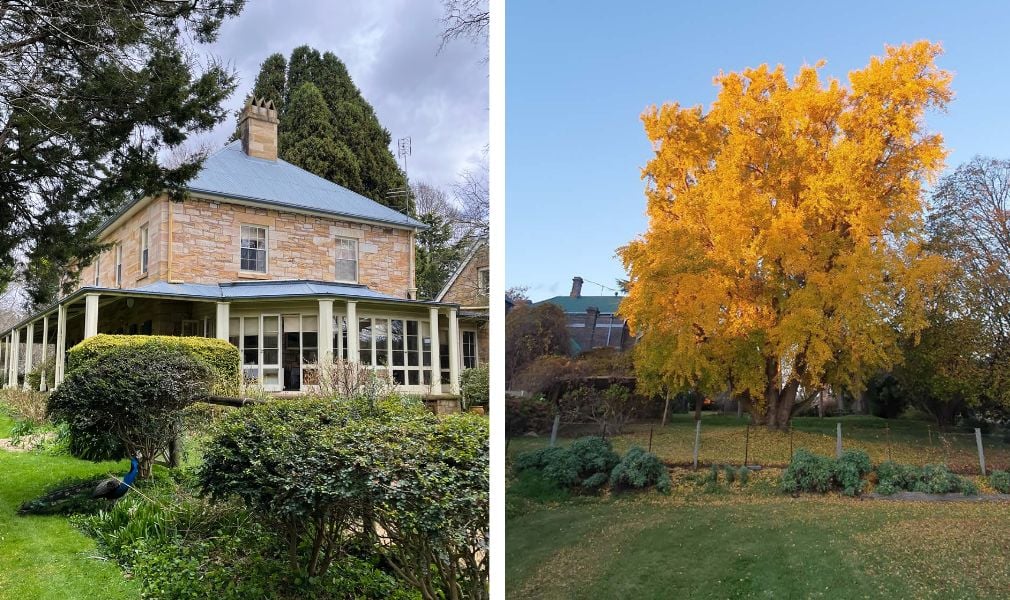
403	151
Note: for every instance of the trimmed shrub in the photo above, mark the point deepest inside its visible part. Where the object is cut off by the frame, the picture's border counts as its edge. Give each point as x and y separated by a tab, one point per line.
528	414
713	474
729	472
929	479
640	469
129	400
475	386
219	357
314	469
743	475
1000	481
808	472
893	477
849	471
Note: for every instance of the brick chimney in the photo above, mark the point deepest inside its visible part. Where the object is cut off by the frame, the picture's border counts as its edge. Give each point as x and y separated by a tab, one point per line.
576	287
257	126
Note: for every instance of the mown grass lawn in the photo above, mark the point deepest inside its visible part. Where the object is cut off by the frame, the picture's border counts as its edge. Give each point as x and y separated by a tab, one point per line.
45	557
760	545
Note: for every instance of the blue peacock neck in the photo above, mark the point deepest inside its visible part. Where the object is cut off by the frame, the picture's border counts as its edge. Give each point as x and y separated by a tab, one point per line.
132	475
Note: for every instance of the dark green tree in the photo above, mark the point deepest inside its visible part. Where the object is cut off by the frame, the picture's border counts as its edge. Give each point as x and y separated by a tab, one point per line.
437	255
271	80
354	123
308	141
91	92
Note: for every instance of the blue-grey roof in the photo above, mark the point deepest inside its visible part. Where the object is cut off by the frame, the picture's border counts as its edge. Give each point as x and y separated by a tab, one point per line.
261	289
232	173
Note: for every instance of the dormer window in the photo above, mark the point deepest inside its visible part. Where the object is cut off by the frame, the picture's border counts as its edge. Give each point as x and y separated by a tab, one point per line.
347	260
253	253
145	249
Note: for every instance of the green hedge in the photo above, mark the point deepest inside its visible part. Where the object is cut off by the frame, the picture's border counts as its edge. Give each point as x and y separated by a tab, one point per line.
219	356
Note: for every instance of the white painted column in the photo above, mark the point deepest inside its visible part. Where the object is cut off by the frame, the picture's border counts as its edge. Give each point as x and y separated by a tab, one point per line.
90	315
15	358
45	351
29	351
352	332
326	331
453	352
7	359
222	321
61	342
436	354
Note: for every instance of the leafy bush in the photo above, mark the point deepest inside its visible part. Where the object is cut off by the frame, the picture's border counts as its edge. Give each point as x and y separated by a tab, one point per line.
808	472
528	414
219	357
930	479
849	471
729	472
713	474
423	481
475	386
611	408
639	469
580	464
128	400
1000	481
743	475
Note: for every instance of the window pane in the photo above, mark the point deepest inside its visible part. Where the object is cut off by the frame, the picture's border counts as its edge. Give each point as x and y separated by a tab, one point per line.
365	341
252	249
413	378
233	331
347	259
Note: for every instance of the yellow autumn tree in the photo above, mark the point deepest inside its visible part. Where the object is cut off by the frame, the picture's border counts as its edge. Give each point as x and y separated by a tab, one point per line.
784	251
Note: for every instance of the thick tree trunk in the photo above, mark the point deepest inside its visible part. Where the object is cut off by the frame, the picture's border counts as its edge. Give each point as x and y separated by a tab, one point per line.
779	400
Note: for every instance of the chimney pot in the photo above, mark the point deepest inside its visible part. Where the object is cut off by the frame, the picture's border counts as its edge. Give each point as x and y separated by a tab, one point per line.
258	128
576	287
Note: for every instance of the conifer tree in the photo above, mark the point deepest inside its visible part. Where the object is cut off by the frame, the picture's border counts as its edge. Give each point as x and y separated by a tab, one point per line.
308	139
437	255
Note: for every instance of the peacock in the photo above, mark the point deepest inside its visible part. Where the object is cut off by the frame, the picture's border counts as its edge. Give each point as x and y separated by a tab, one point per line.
81	496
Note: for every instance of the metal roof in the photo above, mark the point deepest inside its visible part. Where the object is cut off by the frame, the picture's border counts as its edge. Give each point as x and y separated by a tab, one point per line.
607	305
262	289
232	173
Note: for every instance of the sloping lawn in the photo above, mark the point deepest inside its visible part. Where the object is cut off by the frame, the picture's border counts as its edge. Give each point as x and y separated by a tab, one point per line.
44	557
757	546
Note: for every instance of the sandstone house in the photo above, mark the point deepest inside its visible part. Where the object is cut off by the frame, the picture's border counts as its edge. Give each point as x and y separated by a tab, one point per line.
289	267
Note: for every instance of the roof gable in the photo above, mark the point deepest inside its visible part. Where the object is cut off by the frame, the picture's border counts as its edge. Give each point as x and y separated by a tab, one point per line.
607	305
482	241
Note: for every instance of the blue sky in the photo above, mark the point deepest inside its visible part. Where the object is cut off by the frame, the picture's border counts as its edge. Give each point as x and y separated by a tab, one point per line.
579	74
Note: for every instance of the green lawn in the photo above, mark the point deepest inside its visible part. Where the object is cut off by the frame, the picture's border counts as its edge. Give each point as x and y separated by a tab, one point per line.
44	557
759	546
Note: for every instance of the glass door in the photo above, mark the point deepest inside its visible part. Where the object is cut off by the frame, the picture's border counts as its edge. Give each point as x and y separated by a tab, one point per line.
291	362
270	354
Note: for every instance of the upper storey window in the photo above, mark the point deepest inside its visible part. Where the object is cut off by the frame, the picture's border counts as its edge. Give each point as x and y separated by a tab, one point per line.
145	249
484	282
119	265
347	260
254	249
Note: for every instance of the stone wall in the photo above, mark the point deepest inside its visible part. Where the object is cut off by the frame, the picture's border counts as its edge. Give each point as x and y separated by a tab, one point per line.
465	290
154	215
205	247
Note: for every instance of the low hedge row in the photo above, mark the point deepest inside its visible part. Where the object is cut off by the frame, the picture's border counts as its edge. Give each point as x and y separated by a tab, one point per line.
590	462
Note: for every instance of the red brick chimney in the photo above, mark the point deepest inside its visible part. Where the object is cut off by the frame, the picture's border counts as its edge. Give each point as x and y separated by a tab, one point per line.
576	287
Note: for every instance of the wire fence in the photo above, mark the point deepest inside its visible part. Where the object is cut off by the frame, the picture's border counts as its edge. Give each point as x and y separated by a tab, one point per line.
685	444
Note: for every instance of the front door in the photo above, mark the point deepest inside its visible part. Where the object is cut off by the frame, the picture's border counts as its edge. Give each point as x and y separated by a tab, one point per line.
291	355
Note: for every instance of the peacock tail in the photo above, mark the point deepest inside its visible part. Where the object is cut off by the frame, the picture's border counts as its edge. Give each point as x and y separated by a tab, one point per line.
68	497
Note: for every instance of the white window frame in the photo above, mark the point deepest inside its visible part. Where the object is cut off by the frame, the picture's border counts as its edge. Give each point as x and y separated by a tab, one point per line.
357	259
119	264
145	249
266	248
462	347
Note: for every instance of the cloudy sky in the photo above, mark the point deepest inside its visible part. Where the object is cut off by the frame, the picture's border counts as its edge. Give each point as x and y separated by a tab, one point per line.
391	48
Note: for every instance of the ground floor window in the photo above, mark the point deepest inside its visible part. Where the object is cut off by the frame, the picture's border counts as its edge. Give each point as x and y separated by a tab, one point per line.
469	349
396	348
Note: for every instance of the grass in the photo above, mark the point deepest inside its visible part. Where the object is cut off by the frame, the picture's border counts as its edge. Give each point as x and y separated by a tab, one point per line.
754	543
725	439
44	557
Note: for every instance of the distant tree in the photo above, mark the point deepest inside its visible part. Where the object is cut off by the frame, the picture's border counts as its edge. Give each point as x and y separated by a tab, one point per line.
785	242
532	331
518	294
307	140
90	94
474	201
354	125
437	256
467	19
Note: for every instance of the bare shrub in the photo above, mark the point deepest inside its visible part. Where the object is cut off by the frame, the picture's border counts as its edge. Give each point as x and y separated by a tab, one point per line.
347	379
26	405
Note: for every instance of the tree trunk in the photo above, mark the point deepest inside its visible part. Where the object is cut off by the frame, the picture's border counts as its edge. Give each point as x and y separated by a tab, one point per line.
697	407
666	409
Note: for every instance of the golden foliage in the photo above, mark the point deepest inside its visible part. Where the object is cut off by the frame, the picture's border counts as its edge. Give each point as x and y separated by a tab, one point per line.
785	225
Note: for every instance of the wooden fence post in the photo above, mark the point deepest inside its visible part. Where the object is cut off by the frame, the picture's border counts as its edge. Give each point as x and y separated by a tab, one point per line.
838	443
697	441
981	454
650	439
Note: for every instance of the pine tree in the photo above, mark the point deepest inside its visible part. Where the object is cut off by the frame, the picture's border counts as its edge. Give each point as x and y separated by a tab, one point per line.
354	127
308	139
